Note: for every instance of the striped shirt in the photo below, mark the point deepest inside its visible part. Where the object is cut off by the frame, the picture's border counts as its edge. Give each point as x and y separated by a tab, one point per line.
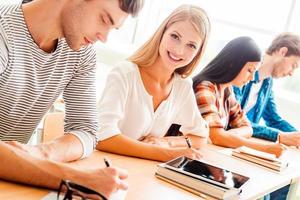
219	111
31	80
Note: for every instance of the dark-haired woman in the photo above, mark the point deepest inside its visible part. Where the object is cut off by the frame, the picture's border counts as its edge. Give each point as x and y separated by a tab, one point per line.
233	66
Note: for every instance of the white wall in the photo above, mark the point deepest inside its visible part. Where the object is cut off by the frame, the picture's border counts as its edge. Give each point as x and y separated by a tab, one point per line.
289	107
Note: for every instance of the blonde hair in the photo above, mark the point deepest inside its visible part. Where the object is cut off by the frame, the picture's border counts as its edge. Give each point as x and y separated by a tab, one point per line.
146	55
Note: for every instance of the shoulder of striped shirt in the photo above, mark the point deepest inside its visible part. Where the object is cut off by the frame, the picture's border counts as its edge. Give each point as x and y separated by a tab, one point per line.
6	9
3	50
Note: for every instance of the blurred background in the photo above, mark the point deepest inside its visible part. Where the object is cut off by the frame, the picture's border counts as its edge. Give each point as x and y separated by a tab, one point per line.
260	19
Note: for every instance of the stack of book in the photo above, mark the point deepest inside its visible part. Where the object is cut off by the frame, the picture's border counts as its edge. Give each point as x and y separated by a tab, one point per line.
206	180
261	158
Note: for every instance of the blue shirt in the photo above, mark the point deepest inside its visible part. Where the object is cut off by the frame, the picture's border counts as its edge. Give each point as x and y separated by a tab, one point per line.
265	108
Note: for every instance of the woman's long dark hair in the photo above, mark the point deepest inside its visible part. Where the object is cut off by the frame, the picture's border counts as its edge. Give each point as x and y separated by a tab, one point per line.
229	62
225	66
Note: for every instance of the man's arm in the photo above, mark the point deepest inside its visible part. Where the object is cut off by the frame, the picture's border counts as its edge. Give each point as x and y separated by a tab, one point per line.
17	165
259	131
63	149
81	116
81	121
271	134
264	132
272	117
123	145
274	123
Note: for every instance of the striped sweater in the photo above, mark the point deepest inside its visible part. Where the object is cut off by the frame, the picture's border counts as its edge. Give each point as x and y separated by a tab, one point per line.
31	80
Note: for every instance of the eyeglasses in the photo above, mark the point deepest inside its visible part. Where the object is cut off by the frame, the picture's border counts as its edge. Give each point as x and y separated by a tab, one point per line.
69	191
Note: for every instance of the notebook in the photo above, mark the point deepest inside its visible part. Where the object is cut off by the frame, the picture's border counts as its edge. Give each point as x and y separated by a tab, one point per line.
260	158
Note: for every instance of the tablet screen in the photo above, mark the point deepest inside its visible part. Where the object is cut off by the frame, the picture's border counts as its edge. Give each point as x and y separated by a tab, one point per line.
206	171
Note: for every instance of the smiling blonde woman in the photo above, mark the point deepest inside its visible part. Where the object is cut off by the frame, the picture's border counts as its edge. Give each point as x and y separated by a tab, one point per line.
149	92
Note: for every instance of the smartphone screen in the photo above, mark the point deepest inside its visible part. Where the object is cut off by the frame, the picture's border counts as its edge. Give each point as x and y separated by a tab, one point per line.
204	171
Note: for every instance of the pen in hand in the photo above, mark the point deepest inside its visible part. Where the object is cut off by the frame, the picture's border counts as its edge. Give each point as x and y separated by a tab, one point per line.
187	139
107	164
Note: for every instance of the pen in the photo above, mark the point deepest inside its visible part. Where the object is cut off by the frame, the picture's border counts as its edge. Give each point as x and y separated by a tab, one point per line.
188	141
106	162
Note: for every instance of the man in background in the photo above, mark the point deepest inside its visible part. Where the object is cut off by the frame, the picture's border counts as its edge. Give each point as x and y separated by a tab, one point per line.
257	97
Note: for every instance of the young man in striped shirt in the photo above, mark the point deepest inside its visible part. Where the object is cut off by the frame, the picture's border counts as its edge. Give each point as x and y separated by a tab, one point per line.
45	51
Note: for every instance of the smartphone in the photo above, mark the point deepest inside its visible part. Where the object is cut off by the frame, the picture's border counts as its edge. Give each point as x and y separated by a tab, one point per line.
207	172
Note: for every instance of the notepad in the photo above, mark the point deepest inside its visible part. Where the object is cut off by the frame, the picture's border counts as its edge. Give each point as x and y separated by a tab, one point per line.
261	158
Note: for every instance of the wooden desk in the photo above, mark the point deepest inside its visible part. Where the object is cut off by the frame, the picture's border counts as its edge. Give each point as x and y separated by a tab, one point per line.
144	185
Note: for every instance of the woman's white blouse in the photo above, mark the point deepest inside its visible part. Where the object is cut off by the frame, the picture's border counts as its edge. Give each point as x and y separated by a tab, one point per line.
127	108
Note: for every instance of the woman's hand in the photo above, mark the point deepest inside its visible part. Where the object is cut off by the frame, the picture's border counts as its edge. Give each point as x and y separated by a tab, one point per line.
171	153
175	141
173	147
275	148
170	141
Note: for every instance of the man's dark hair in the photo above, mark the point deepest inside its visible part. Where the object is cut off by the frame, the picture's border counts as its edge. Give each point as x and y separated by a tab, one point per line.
131	7
26	1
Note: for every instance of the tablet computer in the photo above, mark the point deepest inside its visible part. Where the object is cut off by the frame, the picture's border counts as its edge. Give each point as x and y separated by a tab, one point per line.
207	172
